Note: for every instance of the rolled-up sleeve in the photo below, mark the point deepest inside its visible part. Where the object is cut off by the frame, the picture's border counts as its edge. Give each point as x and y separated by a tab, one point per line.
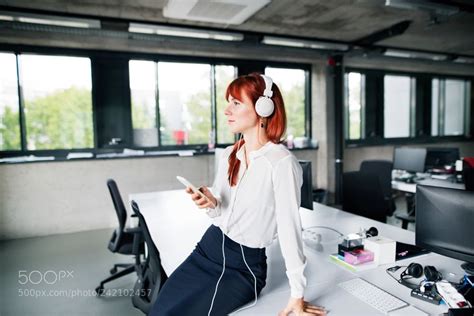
287	181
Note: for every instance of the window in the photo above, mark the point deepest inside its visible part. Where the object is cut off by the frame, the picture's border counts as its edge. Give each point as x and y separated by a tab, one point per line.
399	106
10	138
449	103
354	83
143	97
292	86
58	111
224	75
185	103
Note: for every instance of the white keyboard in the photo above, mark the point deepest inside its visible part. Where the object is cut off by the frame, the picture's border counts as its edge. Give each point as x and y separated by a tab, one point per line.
372	295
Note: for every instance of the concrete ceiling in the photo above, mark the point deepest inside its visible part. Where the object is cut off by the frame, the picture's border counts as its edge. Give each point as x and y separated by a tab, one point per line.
339	20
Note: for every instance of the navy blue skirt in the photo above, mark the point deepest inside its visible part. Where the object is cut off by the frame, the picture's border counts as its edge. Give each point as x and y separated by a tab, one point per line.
190	288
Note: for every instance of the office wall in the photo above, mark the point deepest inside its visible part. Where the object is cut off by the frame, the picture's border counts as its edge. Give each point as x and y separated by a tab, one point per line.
47	198
354	156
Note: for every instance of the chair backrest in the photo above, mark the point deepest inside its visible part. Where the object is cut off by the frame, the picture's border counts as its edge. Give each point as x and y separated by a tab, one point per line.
118	203
307	187
382	168
468	177
468	173
152	275
363	195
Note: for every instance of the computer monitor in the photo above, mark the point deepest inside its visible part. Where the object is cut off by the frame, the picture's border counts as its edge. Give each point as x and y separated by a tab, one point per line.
409	159
437	158
444	219
307	188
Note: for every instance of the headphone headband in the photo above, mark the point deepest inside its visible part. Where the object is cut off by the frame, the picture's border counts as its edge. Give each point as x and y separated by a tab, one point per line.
268	86
414	271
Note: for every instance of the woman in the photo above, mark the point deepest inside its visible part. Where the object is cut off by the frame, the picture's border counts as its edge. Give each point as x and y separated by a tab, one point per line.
255	197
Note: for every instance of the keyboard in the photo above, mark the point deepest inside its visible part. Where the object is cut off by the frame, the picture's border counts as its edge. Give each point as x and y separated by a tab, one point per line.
372	295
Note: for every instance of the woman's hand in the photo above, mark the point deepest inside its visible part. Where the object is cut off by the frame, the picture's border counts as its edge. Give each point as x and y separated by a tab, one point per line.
300	307
200	201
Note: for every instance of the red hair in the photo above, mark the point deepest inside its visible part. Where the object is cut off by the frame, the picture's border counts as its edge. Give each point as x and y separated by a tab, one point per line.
252	86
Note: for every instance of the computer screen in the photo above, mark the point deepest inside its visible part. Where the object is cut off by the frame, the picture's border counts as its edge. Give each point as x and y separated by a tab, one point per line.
444	219
437	158
409	159
307	188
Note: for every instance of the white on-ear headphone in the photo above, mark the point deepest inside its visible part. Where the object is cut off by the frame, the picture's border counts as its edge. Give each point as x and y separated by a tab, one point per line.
264	105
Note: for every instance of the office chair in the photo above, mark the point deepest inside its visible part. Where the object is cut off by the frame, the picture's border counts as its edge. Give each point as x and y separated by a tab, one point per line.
151	275
124	241
363	195
383	169
468	173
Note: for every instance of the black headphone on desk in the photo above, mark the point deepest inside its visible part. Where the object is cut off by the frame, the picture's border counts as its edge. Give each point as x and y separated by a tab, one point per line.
414	271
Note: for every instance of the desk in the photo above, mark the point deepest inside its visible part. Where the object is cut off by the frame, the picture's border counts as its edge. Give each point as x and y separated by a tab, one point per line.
411	187
176	225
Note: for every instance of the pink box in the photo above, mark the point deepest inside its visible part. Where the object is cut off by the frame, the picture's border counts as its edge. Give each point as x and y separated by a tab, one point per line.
358	256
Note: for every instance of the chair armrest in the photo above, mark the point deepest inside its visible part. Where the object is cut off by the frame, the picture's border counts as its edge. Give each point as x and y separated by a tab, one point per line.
133	230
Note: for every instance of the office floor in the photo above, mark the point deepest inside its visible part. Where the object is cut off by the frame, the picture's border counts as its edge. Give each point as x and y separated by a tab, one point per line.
37	273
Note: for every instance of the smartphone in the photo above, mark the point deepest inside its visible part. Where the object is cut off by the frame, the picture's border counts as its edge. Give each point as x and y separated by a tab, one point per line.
187	184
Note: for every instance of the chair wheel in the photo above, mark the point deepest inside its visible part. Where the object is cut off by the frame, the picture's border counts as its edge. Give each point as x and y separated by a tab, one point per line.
113	270
99	290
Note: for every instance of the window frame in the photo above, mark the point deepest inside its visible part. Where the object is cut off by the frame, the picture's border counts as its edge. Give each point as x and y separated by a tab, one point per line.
441	124
421	123
60	154
347	113
17	51
307	96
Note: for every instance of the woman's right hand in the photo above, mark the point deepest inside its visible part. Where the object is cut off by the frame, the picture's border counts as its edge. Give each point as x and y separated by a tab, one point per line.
299	307
200	201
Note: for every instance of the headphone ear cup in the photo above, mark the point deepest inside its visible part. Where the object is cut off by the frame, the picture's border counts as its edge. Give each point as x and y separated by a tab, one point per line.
264	107
415	270
372	232
432	274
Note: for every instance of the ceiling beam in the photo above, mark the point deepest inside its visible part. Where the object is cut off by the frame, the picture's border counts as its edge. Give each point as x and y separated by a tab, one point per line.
394	30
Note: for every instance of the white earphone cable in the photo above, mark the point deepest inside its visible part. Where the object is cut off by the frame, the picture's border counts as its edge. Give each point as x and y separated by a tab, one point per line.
219	280
241	248
254	286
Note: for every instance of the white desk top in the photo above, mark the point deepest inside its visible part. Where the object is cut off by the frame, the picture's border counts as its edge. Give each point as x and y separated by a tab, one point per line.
175	239
411	187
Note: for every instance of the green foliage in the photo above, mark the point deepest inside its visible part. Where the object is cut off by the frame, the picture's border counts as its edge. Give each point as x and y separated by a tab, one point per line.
10	130
63	119
141	116
224	135
295	111
354	124
199	108
60	120
354	108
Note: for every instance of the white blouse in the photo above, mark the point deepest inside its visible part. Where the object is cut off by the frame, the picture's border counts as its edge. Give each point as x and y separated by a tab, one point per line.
264	205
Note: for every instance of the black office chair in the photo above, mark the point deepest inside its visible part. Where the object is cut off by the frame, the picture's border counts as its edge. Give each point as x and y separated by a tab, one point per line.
383	169
363	195
468	177
151	275
123	241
